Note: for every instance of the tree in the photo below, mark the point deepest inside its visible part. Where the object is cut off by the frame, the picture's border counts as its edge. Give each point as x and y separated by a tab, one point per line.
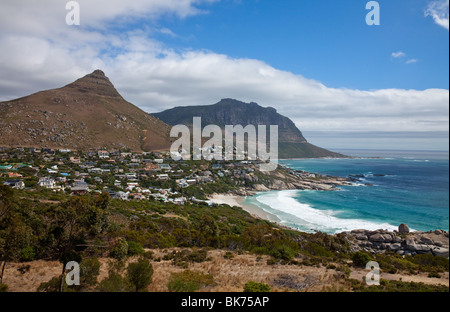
76	219
140	274
14	233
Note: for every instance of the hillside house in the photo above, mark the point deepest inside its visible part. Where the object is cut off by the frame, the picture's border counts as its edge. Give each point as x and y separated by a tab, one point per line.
48	183
16	184
162	177
103	154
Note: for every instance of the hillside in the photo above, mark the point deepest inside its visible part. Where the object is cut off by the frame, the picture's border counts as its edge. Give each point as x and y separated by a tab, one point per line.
292	143
88	113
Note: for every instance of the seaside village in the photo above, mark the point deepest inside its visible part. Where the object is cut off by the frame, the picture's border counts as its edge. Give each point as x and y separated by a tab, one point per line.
124	175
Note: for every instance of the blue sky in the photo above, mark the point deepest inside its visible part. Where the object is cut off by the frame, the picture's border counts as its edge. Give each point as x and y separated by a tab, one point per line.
317	62
325	40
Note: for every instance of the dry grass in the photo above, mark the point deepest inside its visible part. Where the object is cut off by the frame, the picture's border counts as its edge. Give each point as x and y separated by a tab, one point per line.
230	275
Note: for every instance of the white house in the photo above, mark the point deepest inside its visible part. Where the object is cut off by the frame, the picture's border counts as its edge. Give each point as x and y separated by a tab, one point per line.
47	183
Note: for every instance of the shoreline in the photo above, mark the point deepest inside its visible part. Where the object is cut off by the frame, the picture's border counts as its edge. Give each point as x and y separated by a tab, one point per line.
239	201
377	241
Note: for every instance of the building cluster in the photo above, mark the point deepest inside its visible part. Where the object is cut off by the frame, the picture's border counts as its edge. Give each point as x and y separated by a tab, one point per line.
124	175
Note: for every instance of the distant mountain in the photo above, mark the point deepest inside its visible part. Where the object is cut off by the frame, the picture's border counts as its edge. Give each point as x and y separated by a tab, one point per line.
88	113
292	143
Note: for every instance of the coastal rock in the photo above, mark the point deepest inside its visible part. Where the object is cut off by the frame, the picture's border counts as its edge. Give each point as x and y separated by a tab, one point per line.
376	238
403	229
361	237
358	231
426	240
439	251
394	247
396	239
410	244
422	249
381	238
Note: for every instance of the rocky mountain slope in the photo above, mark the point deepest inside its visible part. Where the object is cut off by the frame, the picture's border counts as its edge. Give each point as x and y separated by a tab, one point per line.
292	143
88	113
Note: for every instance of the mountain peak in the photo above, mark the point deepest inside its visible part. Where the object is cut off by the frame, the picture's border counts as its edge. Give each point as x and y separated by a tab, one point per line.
86	114
96	82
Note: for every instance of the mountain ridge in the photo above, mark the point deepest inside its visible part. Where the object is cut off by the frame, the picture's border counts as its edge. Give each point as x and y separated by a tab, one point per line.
292	143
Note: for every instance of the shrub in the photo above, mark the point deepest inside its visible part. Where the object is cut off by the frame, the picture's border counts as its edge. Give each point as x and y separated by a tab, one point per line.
361	258
228	255
149	255
27	254
115	283
3	288
140	274
189	281
120	250
52	285
135	248
345	271
392	263
318	250
434	274
429	263
89	271
255	287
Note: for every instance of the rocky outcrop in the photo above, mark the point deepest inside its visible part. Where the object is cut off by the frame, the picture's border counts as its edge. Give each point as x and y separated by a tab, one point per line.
401	242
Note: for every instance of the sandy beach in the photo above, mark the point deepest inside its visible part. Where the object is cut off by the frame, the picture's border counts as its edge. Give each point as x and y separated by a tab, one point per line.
239	201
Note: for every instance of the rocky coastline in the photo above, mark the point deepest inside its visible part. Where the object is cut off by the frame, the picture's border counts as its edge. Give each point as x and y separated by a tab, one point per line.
289	179
401	242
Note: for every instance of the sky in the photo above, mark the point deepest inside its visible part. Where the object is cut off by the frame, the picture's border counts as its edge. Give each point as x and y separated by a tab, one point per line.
344	83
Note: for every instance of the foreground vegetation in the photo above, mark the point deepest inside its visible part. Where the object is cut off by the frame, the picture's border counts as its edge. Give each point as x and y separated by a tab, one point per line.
86	228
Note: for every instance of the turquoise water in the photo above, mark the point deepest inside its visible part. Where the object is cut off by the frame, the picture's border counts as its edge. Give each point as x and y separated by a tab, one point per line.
407	187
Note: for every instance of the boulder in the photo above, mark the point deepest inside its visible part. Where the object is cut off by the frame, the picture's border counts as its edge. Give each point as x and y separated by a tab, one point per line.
410	244
387	238
426	240
358	232
396	239
361	237
422	249
378	238
403	228
394	247
439	251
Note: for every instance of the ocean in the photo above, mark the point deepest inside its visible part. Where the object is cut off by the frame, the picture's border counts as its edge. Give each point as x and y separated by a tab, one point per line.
409	187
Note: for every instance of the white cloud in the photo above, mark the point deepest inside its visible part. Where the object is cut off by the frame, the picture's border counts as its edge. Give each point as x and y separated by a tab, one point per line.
398	54
439	11
412	61
402	55
155	78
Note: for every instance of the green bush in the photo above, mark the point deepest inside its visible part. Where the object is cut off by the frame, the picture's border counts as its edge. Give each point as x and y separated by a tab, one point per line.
189	281
429	263
89	271
361	258
115	283
27	254
135	248
140	274
120	250
52	285
318	250
3	288
255	287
